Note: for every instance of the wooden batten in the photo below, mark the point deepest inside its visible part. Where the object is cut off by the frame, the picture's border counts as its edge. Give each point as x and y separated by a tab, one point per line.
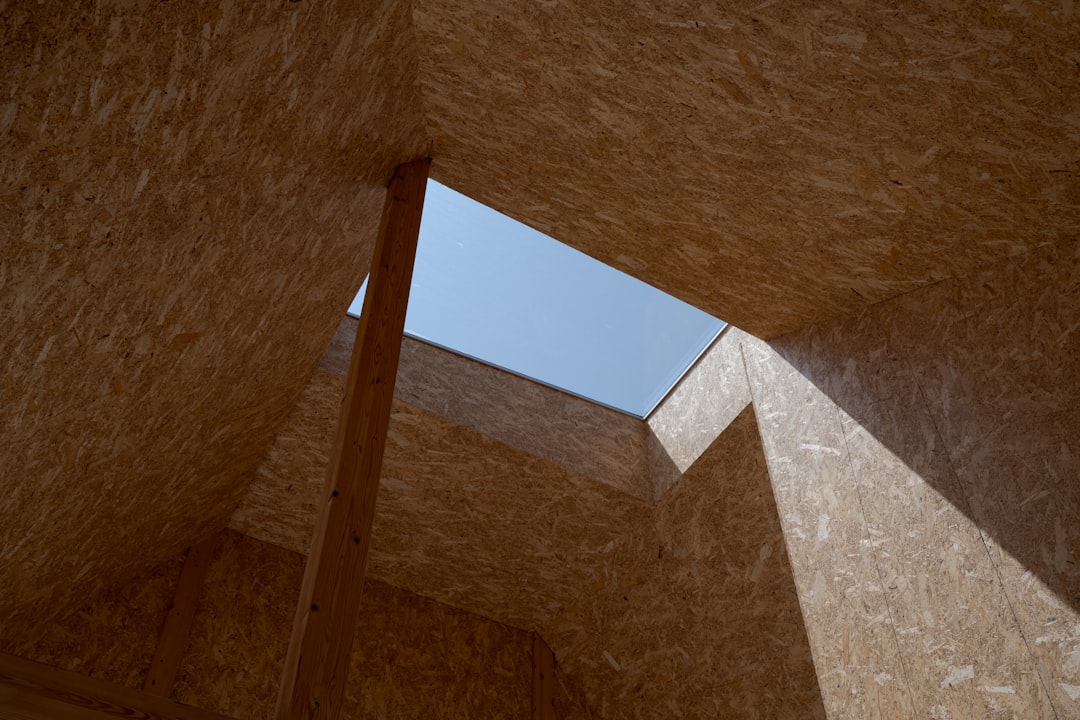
543	675
313	684
177	629
32	691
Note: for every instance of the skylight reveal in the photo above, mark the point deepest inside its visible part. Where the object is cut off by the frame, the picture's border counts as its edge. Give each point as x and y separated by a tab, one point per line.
491	288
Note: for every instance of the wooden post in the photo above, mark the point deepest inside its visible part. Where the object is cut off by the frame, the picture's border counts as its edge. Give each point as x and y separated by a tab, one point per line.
317	663
177	630
543	678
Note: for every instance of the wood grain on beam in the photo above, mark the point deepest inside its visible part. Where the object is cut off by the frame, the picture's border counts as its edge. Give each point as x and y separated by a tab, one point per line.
313	684
32	691
543	676
177	629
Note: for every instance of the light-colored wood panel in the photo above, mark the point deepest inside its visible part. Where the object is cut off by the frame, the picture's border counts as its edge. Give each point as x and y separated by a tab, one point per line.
179	244
774	164
317	664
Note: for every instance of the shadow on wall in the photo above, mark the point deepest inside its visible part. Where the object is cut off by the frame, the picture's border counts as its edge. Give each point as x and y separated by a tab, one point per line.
922	456
975	385
724	635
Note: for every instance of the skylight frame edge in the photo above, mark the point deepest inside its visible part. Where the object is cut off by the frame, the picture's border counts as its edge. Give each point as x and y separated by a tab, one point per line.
693	364
523	376
592	401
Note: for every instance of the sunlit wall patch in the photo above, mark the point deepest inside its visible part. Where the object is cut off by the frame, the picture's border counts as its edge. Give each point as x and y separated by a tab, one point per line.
491	288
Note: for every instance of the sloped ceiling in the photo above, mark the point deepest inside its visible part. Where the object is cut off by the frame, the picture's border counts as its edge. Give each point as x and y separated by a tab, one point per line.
771	163
189	193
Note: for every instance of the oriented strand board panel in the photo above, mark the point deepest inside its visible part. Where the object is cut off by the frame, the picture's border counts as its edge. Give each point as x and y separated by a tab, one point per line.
771	163
700	407
31	691
696	614
460	516
111	636
1009	420
828	544
872	427
189	195
578	435
657	611
413	657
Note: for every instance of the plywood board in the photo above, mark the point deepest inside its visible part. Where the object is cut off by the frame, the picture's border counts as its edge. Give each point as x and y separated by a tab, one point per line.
771	163
578	435
869	423
189	194
412	657
482	526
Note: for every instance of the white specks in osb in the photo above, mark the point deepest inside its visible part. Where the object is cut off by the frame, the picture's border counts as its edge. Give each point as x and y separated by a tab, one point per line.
759	140
958	675
143	216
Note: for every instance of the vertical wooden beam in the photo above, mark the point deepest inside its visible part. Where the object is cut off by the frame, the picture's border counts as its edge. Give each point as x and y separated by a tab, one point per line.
317	663
177	630
543	679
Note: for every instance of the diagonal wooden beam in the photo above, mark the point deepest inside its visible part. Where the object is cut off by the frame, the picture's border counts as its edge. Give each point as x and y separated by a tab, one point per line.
177	630
317	663
32	691
543	678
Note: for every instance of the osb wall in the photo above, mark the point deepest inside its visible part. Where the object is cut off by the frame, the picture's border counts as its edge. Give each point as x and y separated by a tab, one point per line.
681	610
461	517
581	436
773	163
924	463
189	193
111	636
701	406
413	658
696	614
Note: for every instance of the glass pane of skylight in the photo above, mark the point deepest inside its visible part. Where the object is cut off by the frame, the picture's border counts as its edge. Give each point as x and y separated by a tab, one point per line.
491	288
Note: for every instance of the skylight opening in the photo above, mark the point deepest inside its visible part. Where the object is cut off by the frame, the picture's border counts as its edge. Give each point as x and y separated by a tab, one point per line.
495	290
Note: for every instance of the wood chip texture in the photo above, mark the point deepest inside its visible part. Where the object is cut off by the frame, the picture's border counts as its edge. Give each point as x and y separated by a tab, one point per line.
649	609
189	195
412	657
771	163
923	459
111	636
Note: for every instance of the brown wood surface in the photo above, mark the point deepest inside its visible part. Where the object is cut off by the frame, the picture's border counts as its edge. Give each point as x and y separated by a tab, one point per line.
177	629
542	677
313	683
32	691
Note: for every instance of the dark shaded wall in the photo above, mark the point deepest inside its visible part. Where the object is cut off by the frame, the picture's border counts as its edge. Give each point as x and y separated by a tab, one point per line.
413	657
696	614
923	457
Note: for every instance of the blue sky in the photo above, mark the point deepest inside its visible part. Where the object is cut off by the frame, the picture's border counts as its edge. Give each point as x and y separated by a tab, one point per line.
489	287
